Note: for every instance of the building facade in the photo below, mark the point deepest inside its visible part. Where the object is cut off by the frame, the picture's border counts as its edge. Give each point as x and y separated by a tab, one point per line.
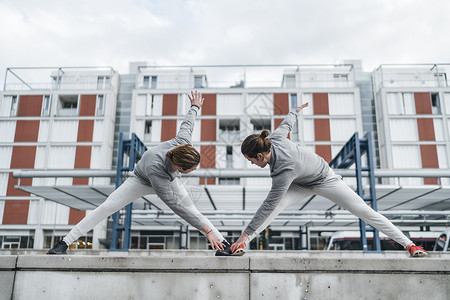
73	122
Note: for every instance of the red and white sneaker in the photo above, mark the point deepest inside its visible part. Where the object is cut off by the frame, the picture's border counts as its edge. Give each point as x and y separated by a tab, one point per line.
416	251
239	251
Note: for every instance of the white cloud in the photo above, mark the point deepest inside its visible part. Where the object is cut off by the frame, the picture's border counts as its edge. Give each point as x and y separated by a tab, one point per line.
113	33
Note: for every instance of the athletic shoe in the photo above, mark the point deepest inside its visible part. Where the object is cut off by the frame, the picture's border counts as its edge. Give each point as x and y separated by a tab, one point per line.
416	251
59	248
226	251
239	251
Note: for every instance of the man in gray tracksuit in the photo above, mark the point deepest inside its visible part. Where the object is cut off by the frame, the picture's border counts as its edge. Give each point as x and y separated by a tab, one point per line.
157	172
298	172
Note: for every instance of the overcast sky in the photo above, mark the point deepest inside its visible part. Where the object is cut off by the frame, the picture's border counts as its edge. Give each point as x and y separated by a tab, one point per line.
209	32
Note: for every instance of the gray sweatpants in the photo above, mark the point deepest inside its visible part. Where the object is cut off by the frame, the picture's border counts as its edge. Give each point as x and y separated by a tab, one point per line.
132	189
341	194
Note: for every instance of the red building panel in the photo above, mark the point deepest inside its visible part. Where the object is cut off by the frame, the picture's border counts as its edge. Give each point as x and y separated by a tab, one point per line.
30	105
87	105
429	157
76	216
208	132
168	129
322	129
82	161
208	160
27	131
85	130
280	104
320	104
169	104
209	105
423	103
426	129
16	211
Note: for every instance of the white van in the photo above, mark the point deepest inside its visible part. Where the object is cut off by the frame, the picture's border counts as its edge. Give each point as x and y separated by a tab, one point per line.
442	242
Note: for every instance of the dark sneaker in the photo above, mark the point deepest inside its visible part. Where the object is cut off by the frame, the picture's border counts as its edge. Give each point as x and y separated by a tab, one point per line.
239	251
59	248
416	251
226	251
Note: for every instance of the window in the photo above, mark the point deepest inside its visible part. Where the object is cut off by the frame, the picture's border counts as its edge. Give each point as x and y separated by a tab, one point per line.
229	161
102	82
14	105
340	77
229	130
150	80
198	81
68	105
46	106
261	124
229	181
148	131
435	104
100	105
293	100
289	81
146	81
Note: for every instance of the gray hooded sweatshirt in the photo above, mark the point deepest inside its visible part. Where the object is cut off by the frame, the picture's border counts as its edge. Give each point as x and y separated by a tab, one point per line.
155	170
289	164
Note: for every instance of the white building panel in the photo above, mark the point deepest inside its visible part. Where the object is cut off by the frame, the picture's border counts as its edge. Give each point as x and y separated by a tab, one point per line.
156	102
2	208
62	157
3	185
39	161
55	213
259	104
183	104
7	131
5	106
156	130
443	162
306	97
5	157
447	103
229	104
407	157
139	128
221	157
140	107
403	130
438	130
33	212
238	159
341	104
401	103
308	130
43	131
64	131
99	134
341	130
98	159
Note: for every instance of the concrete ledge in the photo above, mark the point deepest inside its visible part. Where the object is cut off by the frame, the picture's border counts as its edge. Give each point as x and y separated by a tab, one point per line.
127	264
208	277
360	265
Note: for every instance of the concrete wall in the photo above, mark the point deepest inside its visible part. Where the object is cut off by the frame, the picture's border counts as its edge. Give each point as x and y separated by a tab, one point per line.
207	277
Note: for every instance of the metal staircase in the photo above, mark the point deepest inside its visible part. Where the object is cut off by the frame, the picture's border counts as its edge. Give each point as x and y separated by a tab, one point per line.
350	154
130	151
